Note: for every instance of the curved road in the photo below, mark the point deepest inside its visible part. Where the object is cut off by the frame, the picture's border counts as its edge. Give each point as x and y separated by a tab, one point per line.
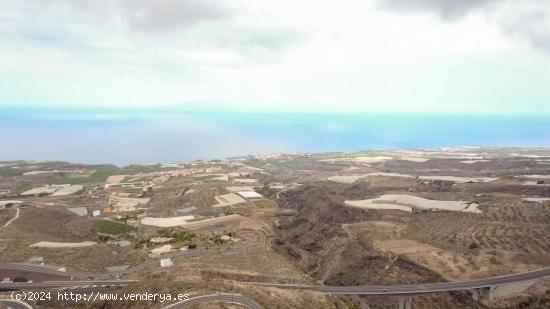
17	212
357	290
63	284
34	268
219	297
418	288
16	304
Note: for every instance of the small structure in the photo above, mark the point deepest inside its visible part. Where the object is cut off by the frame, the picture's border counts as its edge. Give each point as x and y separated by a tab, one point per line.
250	194
80	211
166	262
96	213
160	250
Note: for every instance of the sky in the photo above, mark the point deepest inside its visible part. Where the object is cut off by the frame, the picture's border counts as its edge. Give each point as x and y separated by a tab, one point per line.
414	56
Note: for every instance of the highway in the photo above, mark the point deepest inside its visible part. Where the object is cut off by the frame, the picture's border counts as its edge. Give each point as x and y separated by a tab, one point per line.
15	304
219	297
404	289
63	284
33	268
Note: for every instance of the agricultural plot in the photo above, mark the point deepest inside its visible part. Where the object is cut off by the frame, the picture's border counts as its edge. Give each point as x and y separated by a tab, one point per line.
346	179
166	222
113	227
353	178
115	179
534	176
53	245
228	200
239	188
537	199
408	202
389	175
54	190
449	264
265	203
367	160
458	179
507	233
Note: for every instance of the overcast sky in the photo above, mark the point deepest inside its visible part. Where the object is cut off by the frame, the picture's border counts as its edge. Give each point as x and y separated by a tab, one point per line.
352	55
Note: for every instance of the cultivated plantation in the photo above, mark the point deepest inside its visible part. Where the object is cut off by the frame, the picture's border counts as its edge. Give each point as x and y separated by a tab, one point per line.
332	219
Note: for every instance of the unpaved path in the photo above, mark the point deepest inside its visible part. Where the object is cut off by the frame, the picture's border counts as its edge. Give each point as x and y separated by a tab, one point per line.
12	219
287	189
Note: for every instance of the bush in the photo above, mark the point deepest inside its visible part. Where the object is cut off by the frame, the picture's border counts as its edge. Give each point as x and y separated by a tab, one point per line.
227	211
140	244
180	237
217	239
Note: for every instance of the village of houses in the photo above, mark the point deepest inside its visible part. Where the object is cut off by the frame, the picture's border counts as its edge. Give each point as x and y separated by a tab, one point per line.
153	211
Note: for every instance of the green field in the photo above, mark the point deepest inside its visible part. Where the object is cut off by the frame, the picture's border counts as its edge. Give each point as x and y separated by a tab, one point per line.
113	227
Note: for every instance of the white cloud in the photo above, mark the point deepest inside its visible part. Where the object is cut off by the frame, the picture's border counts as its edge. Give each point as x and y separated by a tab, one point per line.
285	55
447	9
526	19
529	20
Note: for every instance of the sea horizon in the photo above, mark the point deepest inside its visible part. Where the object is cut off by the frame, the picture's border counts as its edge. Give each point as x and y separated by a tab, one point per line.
129	136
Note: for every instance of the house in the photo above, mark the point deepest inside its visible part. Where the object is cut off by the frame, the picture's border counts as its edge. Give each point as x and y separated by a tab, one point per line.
166	262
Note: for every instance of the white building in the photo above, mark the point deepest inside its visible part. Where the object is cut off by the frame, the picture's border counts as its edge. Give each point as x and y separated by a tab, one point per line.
166	262
250	194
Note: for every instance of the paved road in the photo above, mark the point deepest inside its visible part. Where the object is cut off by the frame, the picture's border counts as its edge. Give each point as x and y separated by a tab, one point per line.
363	290
16	304
62	284
219	297
418	288
34	268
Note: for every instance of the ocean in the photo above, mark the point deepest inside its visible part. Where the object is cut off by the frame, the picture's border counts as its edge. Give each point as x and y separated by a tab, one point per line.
124	137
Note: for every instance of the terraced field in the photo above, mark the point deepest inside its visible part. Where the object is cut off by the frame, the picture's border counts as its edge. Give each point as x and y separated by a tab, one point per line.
520	232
